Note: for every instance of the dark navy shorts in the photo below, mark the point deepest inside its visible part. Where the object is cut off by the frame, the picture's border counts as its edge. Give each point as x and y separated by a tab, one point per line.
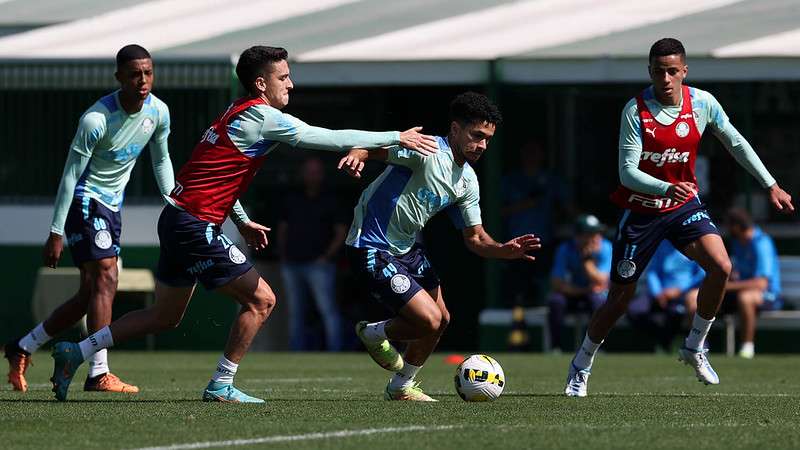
195	250
391	279
92	231
639	235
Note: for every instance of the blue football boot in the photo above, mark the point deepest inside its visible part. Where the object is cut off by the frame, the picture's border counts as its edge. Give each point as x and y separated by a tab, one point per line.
220	392
67	358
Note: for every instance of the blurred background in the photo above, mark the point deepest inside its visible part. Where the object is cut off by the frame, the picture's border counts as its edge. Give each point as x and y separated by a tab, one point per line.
560	70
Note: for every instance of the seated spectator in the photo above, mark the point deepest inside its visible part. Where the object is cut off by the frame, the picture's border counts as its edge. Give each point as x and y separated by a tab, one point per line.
579	277
672	282
755	282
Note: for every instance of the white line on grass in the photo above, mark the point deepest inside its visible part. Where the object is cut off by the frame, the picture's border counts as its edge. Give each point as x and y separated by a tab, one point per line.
300	437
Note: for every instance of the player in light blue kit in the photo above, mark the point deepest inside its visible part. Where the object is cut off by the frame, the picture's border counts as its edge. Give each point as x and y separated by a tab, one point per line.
111	135
392	210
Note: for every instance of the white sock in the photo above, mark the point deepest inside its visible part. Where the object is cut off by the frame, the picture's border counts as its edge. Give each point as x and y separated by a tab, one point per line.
376	331
584	357
98	363
697	335
748	347
96	342
35	339
226	370
404	377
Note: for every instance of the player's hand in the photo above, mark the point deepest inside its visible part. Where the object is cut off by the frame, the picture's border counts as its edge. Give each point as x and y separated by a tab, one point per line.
353	162
682	191
519	247
424	144
254	234
780	199
51	253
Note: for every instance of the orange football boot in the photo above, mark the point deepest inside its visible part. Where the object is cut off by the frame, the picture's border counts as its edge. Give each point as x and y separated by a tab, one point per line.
18	362
108	382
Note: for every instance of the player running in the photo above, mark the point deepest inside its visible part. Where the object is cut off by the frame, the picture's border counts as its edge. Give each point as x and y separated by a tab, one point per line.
392	210
111	135
660	132
193	247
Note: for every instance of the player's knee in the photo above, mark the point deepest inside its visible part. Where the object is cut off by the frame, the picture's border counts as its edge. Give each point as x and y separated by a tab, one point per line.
721	269
106	276
263	303
445	320
431	321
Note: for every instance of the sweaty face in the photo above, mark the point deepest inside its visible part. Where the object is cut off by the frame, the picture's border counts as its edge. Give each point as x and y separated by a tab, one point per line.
278	84
136	78
667	74
471	140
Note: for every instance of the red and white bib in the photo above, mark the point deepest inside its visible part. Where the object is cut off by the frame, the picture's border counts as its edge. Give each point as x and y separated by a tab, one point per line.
668	153
217	173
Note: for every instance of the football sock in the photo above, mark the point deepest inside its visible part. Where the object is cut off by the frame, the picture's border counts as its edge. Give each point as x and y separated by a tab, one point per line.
226	370
584	358
405	377
697	335
98	363
35	339
376	331
96	342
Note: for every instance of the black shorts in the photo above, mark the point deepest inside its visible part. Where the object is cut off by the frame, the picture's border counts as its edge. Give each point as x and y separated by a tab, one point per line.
393	280
639	235
92	231
194	250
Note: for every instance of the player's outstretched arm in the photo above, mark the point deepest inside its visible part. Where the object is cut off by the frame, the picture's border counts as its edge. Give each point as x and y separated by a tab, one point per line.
286	128
479	242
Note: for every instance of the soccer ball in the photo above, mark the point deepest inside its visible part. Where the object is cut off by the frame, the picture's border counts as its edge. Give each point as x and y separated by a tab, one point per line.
479	378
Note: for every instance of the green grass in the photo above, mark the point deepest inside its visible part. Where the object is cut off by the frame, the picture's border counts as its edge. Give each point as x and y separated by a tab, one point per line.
636	401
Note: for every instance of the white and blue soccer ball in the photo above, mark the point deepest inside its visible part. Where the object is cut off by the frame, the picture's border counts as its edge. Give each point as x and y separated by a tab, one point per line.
479	378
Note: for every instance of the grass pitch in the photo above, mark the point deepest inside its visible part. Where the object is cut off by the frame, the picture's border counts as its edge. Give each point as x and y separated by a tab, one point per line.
321	401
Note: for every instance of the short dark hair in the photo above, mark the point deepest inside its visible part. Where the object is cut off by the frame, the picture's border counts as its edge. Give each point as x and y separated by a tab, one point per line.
131	52
666	47
471	107
254	61
739	217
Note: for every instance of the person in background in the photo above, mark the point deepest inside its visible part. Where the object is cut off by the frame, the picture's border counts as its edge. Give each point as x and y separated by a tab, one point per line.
755	281
310	235
534	199
580	274
673	281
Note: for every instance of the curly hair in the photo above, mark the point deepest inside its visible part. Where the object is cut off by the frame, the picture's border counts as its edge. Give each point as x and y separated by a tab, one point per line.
471	107
666	47
256	61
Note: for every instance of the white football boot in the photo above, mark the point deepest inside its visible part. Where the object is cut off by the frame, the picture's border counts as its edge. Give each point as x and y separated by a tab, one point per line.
577	381
698	360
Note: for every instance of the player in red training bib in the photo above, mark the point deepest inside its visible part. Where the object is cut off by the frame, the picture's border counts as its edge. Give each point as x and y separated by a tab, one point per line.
659	137
207	188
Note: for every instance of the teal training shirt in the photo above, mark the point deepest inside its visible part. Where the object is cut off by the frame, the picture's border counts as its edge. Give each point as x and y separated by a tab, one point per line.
396	206
104	152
